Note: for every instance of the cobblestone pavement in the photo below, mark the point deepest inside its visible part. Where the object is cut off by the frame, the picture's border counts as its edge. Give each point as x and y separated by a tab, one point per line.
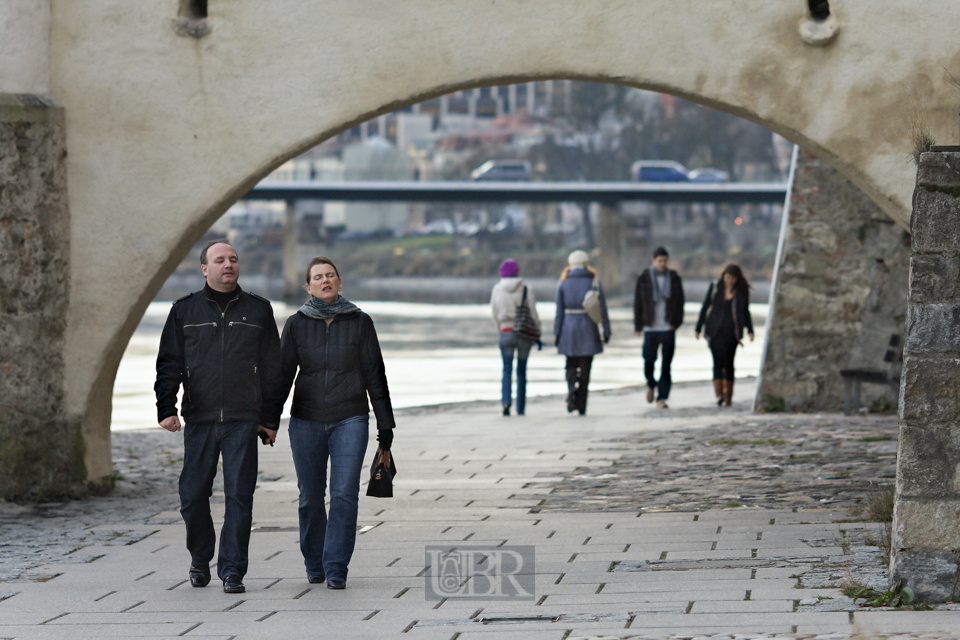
775	461
147	465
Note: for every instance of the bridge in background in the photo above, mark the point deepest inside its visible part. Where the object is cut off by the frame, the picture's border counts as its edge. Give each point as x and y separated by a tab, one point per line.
608	193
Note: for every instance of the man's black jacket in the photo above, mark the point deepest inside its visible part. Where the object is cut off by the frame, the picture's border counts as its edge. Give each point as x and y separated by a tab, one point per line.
643	301
228	361
339	363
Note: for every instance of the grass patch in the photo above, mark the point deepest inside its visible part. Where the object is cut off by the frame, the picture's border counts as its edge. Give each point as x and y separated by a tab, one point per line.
896	596
732	505
735	441
875	438
880	505
772	404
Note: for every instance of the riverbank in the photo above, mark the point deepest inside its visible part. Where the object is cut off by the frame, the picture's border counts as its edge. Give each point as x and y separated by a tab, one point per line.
442	353
433	290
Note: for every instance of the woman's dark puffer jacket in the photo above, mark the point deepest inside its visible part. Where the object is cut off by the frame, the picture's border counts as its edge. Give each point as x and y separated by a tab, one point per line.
339	364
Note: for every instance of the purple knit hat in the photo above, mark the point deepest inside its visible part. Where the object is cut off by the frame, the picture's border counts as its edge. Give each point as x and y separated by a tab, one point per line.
509	268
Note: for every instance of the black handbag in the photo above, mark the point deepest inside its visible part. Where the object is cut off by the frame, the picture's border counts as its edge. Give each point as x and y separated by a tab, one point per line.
381	475
524	325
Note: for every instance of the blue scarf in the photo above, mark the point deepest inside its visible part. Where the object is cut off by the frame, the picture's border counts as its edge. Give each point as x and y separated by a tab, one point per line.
320	310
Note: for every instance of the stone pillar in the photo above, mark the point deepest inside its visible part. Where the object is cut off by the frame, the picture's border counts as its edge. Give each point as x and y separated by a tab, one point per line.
841	293
610	240
42	452
292	276
926	517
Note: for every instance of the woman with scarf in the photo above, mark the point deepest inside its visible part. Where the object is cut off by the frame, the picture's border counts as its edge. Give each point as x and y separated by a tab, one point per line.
577	335
723	317
334	345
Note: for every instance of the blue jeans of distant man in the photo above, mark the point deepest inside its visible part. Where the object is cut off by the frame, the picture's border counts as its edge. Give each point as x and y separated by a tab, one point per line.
203	445
327	542
665	342
510	342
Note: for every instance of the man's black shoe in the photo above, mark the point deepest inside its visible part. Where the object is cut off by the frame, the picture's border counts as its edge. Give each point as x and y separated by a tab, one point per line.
336	584
199	576
315	578
232	584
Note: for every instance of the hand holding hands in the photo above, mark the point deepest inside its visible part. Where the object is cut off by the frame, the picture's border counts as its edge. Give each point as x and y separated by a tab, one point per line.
267	436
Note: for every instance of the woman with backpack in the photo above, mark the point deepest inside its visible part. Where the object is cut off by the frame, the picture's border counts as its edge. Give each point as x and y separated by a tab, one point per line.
581	309
515	316
723	317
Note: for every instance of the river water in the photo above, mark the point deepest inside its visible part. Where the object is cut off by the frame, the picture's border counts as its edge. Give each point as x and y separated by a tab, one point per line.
442	353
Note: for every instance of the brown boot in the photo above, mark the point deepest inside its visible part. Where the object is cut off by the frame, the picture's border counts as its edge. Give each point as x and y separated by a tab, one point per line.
718	390
727	392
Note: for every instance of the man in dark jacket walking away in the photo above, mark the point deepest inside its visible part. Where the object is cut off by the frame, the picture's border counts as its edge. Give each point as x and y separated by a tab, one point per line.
222	345
657	312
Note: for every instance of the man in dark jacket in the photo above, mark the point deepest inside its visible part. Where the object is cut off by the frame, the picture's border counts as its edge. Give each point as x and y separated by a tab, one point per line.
657	312
222	345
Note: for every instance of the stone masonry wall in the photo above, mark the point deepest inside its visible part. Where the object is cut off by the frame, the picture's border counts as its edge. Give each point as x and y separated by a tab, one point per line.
926	517
40	452
841	294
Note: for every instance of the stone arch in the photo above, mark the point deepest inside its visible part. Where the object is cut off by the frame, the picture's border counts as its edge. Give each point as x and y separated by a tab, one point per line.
205	218
166	126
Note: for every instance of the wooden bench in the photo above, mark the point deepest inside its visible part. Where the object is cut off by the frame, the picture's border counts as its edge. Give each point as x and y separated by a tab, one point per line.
853	378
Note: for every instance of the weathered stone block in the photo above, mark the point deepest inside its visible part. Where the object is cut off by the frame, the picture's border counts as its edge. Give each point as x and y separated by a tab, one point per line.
841	294
939	169
932	328
926	525
927	461
934	278
932	382
935	226
932	576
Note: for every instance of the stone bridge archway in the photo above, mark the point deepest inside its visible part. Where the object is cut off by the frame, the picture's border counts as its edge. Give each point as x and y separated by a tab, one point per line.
169	118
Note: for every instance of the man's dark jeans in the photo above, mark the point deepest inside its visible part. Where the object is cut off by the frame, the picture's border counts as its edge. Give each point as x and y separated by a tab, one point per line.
203	444
652	342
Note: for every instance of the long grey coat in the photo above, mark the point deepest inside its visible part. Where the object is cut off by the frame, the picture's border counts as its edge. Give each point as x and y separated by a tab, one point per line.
579	335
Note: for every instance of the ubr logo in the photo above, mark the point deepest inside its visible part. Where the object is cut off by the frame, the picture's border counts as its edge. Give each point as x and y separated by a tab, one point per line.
480	573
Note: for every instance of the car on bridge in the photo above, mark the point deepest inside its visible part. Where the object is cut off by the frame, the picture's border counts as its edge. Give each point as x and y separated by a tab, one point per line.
658	171
708	174
502	170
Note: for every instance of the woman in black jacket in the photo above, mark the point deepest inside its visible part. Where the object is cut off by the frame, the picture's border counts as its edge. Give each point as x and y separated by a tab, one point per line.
334	345
723	317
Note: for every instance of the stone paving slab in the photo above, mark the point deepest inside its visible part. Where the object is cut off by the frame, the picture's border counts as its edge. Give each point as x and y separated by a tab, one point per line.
650	545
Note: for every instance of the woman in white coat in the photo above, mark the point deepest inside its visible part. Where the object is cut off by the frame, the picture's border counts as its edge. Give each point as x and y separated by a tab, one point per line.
507	295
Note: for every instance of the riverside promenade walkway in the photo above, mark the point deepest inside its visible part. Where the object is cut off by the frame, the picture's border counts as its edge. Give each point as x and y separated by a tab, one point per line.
687	522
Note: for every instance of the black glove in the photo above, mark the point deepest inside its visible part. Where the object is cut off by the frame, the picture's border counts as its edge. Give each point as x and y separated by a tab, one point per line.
385	438
606	339
556	341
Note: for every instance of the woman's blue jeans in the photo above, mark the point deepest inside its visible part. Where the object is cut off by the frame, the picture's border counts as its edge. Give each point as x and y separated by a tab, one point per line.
327	542
510	342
